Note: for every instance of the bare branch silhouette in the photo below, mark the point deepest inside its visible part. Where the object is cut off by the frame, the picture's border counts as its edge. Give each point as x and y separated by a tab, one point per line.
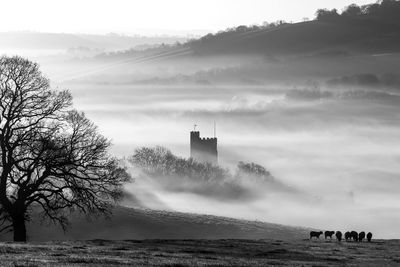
52	157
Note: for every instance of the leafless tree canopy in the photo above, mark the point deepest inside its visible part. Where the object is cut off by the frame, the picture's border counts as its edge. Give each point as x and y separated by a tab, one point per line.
52	157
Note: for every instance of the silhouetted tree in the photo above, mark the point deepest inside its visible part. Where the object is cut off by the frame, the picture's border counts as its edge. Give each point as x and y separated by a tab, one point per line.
371	9
386	10
352	10
390	9
325	14
52	158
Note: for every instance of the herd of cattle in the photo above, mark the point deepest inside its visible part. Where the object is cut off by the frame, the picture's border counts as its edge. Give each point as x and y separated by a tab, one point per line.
348	236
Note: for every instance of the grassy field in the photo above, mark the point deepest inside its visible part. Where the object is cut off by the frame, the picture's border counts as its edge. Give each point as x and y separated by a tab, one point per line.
201	253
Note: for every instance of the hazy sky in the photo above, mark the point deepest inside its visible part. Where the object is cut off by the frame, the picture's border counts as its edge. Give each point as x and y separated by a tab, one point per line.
153	16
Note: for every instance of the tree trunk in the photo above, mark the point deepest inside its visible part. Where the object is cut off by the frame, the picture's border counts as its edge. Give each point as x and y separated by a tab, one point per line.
19	228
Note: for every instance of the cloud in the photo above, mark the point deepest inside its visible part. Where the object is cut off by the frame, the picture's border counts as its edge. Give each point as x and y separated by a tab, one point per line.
366	80
308	94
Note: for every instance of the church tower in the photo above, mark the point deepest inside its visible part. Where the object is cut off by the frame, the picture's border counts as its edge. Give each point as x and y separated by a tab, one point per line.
203	149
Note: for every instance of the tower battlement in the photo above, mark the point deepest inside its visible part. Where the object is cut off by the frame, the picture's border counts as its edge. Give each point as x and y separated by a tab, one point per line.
203	149
208	138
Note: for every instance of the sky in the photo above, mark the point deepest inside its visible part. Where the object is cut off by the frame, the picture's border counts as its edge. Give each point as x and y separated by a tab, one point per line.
154	17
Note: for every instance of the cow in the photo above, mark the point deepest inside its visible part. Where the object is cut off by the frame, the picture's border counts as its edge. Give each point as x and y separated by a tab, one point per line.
329	234
315	234
369	236
338	235
347	236
361	236
354	235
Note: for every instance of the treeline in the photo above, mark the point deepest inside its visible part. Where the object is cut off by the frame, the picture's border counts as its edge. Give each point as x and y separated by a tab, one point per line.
383	10
175	174
387	10
161	162
242	29
374	21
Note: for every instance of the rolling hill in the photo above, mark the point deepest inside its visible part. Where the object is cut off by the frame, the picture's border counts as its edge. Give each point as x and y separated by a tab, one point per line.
129	223
373	28
370	29
348	36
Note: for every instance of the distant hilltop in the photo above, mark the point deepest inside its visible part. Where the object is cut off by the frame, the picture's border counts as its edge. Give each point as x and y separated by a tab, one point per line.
369	29
373	28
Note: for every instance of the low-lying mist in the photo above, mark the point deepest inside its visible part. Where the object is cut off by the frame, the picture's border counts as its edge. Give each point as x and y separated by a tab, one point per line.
334	146
326	130
174	174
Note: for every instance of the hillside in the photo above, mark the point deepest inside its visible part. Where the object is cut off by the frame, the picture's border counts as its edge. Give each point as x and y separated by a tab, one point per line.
336	36
373	28
130	223
344	37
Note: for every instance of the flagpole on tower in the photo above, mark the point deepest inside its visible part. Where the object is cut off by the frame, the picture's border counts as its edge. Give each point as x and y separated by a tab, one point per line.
215	129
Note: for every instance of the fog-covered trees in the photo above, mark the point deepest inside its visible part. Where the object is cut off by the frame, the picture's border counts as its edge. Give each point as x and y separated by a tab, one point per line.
161	162
252	169
158	165
52	158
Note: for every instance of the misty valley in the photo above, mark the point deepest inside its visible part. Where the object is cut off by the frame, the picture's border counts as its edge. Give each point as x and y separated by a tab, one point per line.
102	135
284	128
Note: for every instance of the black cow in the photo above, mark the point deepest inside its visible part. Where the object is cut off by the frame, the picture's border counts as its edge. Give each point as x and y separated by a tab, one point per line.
338	236
369	236
347	236
315	234
329	234
361	236
354	235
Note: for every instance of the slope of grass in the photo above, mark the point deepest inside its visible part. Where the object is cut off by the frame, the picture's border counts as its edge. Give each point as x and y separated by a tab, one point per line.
129	223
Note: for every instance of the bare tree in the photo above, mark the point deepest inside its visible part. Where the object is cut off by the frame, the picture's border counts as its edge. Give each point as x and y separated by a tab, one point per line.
52	158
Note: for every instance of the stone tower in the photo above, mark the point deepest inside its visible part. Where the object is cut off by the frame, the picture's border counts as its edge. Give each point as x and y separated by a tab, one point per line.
203	149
